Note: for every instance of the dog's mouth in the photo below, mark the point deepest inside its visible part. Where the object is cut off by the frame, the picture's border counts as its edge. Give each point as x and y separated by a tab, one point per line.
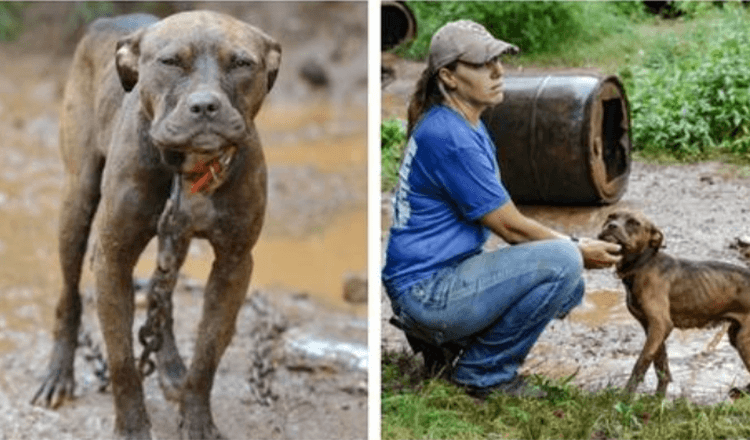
610	235
614	235
201	137
201	142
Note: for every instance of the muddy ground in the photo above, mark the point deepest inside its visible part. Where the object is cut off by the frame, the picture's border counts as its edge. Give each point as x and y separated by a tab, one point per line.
297	367
701	209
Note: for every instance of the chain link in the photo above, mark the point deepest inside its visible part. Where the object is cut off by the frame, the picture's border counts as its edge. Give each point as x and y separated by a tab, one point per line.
170	229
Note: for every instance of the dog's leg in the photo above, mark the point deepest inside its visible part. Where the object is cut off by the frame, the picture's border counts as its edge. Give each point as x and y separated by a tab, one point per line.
125	224
114	262
225	292
79	205
661	365
739	337
658	328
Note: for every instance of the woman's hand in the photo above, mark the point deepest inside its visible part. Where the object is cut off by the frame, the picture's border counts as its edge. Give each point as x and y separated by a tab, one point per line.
598	254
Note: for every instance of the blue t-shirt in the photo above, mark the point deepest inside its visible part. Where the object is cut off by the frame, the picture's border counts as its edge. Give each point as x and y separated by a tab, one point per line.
449	179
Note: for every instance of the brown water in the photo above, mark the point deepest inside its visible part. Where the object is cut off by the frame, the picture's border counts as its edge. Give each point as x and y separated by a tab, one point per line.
328	139
601	307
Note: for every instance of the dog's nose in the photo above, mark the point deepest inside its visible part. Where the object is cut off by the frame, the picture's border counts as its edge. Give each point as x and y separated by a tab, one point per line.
204	103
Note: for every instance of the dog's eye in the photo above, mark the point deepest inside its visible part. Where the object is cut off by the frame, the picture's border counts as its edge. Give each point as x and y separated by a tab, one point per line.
239	62
170	61
633	223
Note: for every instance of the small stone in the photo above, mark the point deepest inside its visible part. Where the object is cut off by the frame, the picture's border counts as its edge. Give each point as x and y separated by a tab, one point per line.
314	73
355	288
743	241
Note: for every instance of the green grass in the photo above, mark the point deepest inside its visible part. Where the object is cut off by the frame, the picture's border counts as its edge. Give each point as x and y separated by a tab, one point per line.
417	407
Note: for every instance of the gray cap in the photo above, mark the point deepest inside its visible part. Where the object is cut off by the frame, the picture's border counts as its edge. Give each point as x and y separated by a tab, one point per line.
466	41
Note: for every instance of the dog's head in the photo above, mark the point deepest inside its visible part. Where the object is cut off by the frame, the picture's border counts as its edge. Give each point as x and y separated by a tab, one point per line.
632	231
201	78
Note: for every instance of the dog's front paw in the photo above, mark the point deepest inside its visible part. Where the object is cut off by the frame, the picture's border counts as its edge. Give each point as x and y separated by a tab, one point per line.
59	383
140	434
736	393
199	428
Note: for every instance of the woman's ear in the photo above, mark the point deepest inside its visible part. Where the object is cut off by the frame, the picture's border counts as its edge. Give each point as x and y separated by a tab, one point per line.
447	77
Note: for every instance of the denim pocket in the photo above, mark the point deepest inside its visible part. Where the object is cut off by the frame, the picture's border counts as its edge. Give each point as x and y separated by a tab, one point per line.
432	293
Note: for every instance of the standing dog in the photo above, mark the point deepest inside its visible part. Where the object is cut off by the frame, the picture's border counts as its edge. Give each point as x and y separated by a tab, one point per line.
665	292
147	99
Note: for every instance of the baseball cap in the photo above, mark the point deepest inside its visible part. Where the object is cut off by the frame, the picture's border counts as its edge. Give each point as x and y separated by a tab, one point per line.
466	41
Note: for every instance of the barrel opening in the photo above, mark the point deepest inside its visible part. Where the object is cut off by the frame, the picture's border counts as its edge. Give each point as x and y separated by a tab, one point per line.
398	24
615	134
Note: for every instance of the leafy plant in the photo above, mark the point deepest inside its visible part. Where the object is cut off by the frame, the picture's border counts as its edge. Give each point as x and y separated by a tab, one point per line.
392	141
689	97
11	20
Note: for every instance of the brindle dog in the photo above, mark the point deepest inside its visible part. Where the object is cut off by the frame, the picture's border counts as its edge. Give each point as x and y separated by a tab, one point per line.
146	100
665	292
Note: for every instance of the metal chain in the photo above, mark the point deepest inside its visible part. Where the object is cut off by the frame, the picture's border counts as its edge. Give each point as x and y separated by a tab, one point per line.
169	229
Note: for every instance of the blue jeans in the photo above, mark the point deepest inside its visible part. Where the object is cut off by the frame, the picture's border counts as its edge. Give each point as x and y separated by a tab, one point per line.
496	304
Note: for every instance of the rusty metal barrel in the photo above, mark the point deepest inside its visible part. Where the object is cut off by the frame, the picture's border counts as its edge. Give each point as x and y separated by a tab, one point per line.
562	139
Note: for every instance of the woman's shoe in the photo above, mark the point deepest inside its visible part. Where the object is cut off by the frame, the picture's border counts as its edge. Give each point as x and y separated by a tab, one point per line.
518	387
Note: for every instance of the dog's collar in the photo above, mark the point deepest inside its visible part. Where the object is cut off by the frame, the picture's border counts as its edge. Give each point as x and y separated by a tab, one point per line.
205	173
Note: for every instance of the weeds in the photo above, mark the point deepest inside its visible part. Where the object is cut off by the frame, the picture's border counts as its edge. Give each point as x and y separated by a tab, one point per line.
423	407
690	96
392	142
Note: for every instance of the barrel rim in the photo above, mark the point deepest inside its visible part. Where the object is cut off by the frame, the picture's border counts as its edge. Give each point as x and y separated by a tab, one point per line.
612	190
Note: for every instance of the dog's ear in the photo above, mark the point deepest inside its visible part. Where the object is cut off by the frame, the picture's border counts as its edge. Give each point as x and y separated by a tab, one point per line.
273	60
126	59
657	238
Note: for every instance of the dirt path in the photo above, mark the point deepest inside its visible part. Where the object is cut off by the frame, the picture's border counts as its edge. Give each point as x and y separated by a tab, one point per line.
296	368
701	209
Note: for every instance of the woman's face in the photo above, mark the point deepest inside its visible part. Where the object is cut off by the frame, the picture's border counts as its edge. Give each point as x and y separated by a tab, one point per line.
478	85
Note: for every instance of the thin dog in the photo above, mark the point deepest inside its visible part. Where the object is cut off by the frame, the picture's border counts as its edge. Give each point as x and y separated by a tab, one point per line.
148	100
664	292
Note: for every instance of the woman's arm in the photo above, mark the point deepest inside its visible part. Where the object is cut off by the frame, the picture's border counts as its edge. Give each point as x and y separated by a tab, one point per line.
513	227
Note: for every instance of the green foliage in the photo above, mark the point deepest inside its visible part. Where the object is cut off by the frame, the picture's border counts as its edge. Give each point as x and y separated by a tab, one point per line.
535	27
634	10
86	12
392	141
11	20
690	95
698	9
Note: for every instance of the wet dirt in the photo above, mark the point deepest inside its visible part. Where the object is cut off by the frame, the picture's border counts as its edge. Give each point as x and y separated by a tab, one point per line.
701	208
315	140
